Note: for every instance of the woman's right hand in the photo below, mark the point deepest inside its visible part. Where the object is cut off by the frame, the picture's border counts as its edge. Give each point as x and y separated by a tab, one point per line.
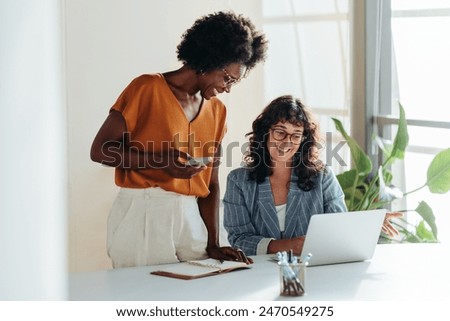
295	244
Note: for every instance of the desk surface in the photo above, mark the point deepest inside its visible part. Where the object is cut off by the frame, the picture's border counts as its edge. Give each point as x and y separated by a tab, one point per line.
396	272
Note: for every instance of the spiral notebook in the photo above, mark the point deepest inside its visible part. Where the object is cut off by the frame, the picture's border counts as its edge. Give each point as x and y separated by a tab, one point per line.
197	269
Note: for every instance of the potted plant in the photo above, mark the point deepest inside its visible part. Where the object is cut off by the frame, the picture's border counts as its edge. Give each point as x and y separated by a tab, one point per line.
366	188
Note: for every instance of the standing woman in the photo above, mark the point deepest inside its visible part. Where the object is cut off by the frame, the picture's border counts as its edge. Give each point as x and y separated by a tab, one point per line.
167	209
268	203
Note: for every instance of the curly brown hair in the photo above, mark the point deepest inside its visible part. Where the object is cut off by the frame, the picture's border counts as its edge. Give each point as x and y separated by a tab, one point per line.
219	39
305	163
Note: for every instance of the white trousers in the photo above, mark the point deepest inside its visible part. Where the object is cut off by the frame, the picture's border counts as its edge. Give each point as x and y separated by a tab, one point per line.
152	226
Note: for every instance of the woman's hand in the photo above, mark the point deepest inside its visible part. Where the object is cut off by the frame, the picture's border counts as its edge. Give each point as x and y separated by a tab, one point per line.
226	253
387	227
174	163
295	244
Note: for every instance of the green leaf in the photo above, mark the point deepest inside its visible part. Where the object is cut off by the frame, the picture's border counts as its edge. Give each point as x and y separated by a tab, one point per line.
401	138
361	161
387	175
352	197
347	178
424	210
424	234
438	174
377	205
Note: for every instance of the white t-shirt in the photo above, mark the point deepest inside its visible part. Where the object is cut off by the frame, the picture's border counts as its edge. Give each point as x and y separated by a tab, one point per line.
281	213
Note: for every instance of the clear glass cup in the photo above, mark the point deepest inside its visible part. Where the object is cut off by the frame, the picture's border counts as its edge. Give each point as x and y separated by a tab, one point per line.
292	279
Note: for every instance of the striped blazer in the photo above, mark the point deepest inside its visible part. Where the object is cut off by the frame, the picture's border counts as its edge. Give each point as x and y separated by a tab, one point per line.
250	214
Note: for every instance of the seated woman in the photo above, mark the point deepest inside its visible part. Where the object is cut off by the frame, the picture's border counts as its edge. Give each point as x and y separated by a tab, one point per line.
269	202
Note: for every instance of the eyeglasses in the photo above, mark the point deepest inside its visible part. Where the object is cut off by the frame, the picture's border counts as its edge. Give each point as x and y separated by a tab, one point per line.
229	80
295	138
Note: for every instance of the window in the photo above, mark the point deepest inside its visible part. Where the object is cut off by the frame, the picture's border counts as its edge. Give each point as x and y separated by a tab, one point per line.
309	58
421	77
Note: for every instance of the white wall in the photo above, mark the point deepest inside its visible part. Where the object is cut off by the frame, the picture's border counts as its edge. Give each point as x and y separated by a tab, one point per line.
33	184
108	43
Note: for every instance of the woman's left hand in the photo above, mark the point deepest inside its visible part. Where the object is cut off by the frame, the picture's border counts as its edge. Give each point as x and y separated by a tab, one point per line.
387	227
227	253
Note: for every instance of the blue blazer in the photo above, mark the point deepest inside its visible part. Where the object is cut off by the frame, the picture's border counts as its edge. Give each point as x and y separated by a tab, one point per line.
250	214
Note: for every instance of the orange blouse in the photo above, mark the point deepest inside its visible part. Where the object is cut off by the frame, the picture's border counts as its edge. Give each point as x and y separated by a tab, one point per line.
156	122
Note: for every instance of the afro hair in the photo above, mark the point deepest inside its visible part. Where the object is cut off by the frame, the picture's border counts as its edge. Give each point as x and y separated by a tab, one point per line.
219	39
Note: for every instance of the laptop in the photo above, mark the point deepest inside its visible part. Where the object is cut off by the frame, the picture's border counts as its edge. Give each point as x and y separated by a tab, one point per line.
343	237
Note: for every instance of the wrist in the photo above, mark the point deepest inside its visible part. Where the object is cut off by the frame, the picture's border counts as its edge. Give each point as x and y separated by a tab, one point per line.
295	244
212	246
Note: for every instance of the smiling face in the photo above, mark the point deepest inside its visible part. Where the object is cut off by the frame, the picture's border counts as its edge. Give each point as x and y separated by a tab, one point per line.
284	141
217	81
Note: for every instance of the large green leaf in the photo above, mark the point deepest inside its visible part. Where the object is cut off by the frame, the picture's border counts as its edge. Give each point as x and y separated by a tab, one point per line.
426	212
401	138
438	174
347	178
424	234
361	161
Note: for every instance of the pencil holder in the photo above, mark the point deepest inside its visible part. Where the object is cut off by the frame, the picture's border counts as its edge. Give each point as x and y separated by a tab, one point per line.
292	279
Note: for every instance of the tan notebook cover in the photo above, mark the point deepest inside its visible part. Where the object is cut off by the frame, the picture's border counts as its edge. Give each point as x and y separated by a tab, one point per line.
198	269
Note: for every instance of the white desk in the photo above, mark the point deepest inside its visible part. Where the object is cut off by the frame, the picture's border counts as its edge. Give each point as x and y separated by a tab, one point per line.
396	272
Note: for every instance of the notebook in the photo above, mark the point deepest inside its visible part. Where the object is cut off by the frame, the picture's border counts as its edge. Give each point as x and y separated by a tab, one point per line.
200	268
343	237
